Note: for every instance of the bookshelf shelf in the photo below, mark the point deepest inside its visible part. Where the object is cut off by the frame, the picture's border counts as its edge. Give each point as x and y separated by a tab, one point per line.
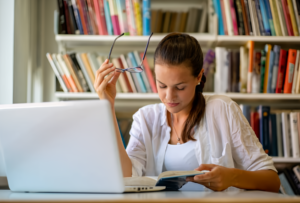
285	160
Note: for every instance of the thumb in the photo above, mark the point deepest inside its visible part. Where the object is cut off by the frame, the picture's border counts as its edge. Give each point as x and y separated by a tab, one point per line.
115	78
208	167
106	61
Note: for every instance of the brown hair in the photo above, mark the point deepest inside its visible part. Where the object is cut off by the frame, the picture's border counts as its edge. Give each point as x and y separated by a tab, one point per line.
176	49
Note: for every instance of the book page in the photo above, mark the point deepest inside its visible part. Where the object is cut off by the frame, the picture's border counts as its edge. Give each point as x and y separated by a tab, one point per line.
179	173
140	181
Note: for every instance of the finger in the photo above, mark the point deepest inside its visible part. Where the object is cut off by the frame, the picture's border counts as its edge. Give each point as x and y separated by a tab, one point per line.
205	177
208	167
104	66
106	80
116	76
100	77
198	179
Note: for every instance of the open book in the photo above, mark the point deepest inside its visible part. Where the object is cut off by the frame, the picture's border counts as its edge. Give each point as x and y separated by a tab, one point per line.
173	180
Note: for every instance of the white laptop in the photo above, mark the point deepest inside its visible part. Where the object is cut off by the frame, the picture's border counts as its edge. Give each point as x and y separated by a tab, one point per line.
62	147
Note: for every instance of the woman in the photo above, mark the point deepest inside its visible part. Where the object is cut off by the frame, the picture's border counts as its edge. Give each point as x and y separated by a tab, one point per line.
188	131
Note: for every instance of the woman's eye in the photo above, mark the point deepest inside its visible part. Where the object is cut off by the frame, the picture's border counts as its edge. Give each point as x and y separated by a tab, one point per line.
162	87
180	88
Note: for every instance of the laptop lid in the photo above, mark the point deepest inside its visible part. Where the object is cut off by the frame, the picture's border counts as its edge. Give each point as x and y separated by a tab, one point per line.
60	147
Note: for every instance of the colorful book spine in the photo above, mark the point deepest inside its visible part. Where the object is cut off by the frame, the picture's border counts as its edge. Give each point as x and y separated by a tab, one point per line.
239	16
268	51
293	17
100	17
264	15
121	8
138	16
296	6
217	5
264	116
288	82
294	133
245	19
296	72
109	24
259	19
129	76
125	76
250	46
61	72
92	16
275	18
114	17
247	11
149	74
82	17
77	17
262	70
143	74
254	21
234	18
85	72
276	50
287	17
67	17
270	17
146	17
139	76
229	22
270	71
131	18
254	121
281	18
273	135
281	71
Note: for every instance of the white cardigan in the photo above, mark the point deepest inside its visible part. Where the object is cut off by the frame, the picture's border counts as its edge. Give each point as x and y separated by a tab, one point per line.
224	137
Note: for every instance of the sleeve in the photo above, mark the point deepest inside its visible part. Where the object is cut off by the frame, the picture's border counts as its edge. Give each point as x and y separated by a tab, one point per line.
247	151
136	147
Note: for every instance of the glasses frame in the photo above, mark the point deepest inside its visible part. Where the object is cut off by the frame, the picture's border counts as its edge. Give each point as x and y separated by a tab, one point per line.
132	69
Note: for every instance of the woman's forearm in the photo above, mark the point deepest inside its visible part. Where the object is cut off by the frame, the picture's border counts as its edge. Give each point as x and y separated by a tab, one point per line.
125	161
266	180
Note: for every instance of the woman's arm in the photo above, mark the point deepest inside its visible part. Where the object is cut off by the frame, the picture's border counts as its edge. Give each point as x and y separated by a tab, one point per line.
220	178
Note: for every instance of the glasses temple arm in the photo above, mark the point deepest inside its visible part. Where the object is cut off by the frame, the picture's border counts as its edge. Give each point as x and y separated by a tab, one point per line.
113	45
146	49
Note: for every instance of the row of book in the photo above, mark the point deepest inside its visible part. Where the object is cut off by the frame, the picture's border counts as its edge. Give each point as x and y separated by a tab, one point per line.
76	72
103	17
277	130
290	180
258	17
271	70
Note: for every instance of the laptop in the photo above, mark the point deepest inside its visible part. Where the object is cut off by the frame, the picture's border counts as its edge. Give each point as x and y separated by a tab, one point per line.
66	146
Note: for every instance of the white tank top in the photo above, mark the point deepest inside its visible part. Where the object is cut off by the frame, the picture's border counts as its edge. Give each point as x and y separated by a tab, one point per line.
182	158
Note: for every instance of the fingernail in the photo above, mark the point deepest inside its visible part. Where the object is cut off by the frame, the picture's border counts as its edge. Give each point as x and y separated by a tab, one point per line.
106	60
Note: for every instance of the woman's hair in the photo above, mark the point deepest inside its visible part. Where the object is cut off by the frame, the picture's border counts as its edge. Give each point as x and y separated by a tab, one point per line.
176	49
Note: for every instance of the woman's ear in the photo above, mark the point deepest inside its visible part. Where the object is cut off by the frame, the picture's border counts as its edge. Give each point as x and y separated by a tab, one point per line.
200	76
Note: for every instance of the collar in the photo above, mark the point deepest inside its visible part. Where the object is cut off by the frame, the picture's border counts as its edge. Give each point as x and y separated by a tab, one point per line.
163	119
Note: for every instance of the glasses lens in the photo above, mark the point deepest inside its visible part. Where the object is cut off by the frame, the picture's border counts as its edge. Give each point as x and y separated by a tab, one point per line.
137	69
119	70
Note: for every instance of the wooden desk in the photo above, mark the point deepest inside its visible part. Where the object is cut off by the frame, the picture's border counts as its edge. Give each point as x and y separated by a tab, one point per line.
153	197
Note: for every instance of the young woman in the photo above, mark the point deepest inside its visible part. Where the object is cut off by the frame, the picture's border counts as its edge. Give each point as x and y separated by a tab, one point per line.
188	131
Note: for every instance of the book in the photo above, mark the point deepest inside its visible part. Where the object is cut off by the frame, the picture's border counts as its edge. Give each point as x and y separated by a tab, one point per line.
131	17
83	16
296	170
287	17
254	122
298	79
141	82
239	16
108	20
260	19
281	18
245	18
62	73
243	68
273	135
114	17
268	51
233	18
296	72
82	78
143	74
256	74
264	116
100	17
229	22
296	5
254	21
286	134
250	46
92	16
146	17
129	76
221	73
270	17
149	74
173	180
293	18
166	22
138	16
217	5
288	82
264	15
281	70
77	17
294	134
270	71
279	134
250	23
275	18
135	77
293	180
203	19
121	78
262	70
182	22
56	72
121	8
125	76
92	58
62	26
274	73
67	16
73	72
88	67
224	17
285	184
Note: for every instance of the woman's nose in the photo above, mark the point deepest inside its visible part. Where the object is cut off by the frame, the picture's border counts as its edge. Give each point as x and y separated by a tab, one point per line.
170	95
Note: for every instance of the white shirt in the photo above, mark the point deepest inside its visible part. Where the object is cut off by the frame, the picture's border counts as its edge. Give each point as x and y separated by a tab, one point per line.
181	157
224	137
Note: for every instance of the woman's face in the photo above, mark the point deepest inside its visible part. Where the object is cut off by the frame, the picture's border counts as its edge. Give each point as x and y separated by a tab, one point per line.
176	86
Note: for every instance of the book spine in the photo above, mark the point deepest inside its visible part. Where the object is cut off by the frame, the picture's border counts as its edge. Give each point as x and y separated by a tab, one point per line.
146	18
131	18
297	14
263	31
264	112
114	17
270	17
275	68
149	74
61	72
296	72
67	15
73	73
92	16
229	22
121	7
121	78
279	134
234	18
243	69
83	80
294	134
281	70
74	27
250	66
224	17
88	67
87	17
273	135
82	17
99	10
239	15
221	70
271	63
125	76
275	18
62	26
77	17
109	24
254	122
138	16
139	76
254	23
281	18
287	17
298	79
262	70
217	5
143	74
286	134
264	15
129	76
268	51
245	20
58	76
293	18
285	184
289	176
290	71
250	23
85	72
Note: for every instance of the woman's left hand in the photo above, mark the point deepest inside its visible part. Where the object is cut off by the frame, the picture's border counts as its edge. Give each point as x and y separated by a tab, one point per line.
218	179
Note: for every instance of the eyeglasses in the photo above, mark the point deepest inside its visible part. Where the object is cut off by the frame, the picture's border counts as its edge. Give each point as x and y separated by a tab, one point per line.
137	69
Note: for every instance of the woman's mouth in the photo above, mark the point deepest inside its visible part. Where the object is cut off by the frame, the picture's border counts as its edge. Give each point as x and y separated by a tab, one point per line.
172	104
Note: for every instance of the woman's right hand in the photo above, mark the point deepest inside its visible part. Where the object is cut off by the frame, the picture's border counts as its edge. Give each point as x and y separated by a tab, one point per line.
106	86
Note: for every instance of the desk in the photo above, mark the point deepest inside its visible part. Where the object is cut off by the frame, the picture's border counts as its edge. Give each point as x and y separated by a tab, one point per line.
153	197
